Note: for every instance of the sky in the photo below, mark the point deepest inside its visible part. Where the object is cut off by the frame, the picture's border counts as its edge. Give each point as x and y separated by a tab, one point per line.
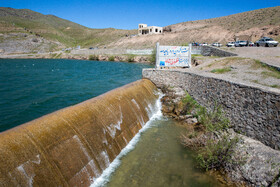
127	14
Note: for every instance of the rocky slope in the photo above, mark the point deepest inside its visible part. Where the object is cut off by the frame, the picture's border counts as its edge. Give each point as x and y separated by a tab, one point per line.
257	23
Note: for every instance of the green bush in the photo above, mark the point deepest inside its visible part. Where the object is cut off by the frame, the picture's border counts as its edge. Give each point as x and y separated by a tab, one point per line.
213	120
111	58
189	103
93	57
216	153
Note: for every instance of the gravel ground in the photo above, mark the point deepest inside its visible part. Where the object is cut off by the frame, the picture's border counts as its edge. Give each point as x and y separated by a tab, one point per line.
241	70
269	55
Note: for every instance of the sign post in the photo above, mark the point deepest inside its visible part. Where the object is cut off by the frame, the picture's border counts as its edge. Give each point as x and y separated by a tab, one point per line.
173	56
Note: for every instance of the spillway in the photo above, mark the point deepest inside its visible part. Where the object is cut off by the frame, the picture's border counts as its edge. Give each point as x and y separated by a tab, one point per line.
73	146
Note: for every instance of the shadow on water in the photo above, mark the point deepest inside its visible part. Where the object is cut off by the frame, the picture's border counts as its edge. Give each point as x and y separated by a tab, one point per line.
160	160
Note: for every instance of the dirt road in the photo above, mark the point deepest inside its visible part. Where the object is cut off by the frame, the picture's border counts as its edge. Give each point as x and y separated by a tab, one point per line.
269	55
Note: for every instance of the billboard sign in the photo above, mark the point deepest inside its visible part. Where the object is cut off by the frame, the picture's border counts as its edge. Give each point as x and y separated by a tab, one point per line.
173	56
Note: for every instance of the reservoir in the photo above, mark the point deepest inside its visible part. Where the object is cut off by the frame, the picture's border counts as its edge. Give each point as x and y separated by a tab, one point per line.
31	88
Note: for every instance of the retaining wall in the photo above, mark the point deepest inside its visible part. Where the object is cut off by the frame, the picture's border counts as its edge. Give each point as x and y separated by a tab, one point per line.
211	51
253	111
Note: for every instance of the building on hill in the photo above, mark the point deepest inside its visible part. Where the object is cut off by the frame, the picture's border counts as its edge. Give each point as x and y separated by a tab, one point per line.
143	29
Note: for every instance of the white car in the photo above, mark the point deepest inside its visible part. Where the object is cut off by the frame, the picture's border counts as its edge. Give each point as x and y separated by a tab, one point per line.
241	43
204	44
230	44
267	42
217	44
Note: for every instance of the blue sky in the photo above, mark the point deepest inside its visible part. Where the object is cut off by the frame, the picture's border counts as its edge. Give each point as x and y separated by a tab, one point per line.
126	14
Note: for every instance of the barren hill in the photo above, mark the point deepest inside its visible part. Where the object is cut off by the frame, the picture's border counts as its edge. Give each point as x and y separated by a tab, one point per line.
257	23
55	29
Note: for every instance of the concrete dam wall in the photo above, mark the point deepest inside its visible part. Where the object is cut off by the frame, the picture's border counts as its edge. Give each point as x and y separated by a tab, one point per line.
253	111
72	146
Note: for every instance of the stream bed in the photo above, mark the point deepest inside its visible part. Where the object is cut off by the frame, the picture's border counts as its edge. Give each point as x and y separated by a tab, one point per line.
159	159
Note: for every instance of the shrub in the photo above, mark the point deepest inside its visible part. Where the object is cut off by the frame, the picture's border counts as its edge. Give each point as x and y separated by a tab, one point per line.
213	120
216	153
189	103
93	57
111	58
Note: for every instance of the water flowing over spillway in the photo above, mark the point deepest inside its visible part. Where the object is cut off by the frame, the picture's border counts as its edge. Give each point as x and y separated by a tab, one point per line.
73	146
154	112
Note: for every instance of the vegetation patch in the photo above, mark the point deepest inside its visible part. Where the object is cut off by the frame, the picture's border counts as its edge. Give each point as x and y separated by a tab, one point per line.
212	120
221	70
112	58
275	74
93	57
152	58
209	138
216	153
189	103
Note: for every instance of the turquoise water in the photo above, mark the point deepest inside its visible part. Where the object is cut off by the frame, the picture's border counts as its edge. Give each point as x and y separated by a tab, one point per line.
31	88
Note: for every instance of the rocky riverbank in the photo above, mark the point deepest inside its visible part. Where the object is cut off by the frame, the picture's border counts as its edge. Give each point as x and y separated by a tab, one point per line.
251	163
60	55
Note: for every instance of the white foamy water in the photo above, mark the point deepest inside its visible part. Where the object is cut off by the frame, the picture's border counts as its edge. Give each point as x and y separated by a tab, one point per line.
155	115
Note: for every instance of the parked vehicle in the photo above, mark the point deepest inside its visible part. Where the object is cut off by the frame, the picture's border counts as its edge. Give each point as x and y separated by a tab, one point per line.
240	43
195	44
251	44
204	44
230	44
267	42
216	44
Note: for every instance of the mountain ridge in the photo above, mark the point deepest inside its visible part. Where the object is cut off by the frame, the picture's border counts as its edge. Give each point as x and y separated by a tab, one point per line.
65	33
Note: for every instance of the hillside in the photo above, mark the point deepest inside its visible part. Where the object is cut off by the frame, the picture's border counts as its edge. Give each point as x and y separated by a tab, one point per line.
257	23
56	29
26	31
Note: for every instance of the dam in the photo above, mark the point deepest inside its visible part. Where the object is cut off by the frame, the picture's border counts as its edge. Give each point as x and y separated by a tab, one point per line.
74	145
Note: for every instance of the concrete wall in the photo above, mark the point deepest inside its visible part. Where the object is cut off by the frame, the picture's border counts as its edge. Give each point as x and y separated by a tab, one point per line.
253	111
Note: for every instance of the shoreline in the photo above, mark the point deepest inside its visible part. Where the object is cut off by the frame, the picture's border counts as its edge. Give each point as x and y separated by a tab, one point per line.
145	59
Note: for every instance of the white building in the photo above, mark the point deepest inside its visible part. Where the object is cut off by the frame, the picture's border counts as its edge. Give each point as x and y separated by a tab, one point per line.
144	29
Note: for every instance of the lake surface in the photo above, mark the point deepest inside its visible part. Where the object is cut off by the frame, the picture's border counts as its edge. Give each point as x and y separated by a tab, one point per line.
31	88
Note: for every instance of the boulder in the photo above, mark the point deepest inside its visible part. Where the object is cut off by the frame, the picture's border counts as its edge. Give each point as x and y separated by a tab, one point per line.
260	164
